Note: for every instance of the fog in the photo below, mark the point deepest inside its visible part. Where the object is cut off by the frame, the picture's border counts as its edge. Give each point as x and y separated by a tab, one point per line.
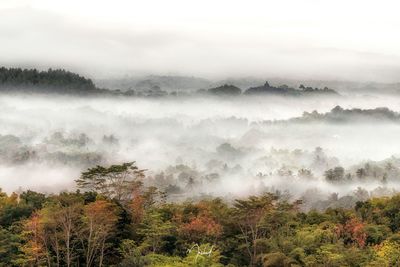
197	145
309	39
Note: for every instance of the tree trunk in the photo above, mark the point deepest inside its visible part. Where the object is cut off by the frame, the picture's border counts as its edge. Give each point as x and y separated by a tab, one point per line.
102	253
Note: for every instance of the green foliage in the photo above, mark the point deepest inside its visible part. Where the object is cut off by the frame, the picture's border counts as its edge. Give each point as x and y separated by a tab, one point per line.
158	260
340	115
203	256
200	256
335	175
9	247
12	209
118	221
131	254
115	181
277	259
225	90
154	229
33	199
59	80
286	90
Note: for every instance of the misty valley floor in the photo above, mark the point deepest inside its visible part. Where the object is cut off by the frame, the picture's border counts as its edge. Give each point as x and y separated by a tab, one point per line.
235	147
199	181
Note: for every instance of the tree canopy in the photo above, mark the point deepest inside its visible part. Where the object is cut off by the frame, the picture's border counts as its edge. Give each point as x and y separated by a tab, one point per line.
58	80
103	225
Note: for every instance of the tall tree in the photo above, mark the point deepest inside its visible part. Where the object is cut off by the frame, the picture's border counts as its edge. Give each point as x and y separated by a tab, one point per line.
249	215
68	219
10	244
115	182
154	229
100	218
35	252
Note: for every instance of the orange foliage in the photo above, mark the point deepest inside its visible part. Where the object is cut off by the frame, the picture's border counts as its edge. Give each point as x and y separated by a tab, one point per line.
34	247
101	212
202	225
199	226
353	229
137	208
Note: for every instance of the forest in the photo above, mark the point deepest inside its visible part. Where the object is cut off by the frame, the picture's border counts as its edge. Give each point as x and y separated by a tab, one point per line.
222	176
64	82
113	219
49	81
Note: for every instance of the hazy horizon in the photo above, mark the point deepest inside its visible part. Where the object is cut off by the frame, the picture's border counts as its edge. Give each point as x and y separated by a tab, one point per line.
310	39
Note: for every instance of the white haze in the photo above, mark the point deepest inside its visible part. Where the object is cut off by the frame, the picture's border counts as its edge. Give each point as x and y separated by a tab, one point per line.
163	133
308	39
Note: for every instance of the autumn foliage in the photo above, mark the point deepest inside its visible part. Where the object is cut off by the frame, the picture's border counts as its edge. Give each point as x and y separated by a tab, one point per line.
130	224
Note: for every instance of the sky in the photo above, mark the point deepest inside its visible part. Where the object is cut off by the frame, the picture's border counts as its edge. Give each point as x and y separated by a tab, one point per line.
312	39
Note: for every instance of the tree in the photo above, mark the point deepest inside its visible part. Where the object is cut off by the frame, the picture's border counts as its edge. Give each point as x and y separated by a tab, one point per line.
99	221
116	181
142	200
10	244
201	228
330	255
12	210
305	174
277	259
388	254
361	173
353	232
335	175
35	252
52	235
68	220
49	233
204	255
132	254
249	215
154	229
225	90
33	199
58	80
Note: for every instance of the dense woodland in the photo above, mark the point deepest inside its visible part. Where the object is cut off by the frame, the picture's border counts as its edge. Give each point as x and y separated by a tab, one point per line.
339	115
288	91
65	82
114	220
59	80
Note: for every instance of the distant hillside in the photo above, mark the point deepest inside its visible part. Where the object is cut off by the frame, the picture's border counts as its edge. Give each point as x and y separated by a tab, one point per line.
225	90
340	115
342	86
245	82
167	83
286	90
59	81
187	83
268	89
65	82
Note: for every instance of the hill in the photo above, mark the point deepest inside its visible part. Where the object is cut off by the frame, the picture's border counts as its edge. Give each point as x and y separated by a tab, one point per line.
167	83
340	115
225	90
288	91
59	81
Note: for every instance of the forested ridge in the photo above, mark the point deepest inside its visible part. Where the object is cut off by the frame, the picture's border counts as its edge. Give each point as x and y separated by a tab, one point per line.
115	219
57	80
62	81
341	115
